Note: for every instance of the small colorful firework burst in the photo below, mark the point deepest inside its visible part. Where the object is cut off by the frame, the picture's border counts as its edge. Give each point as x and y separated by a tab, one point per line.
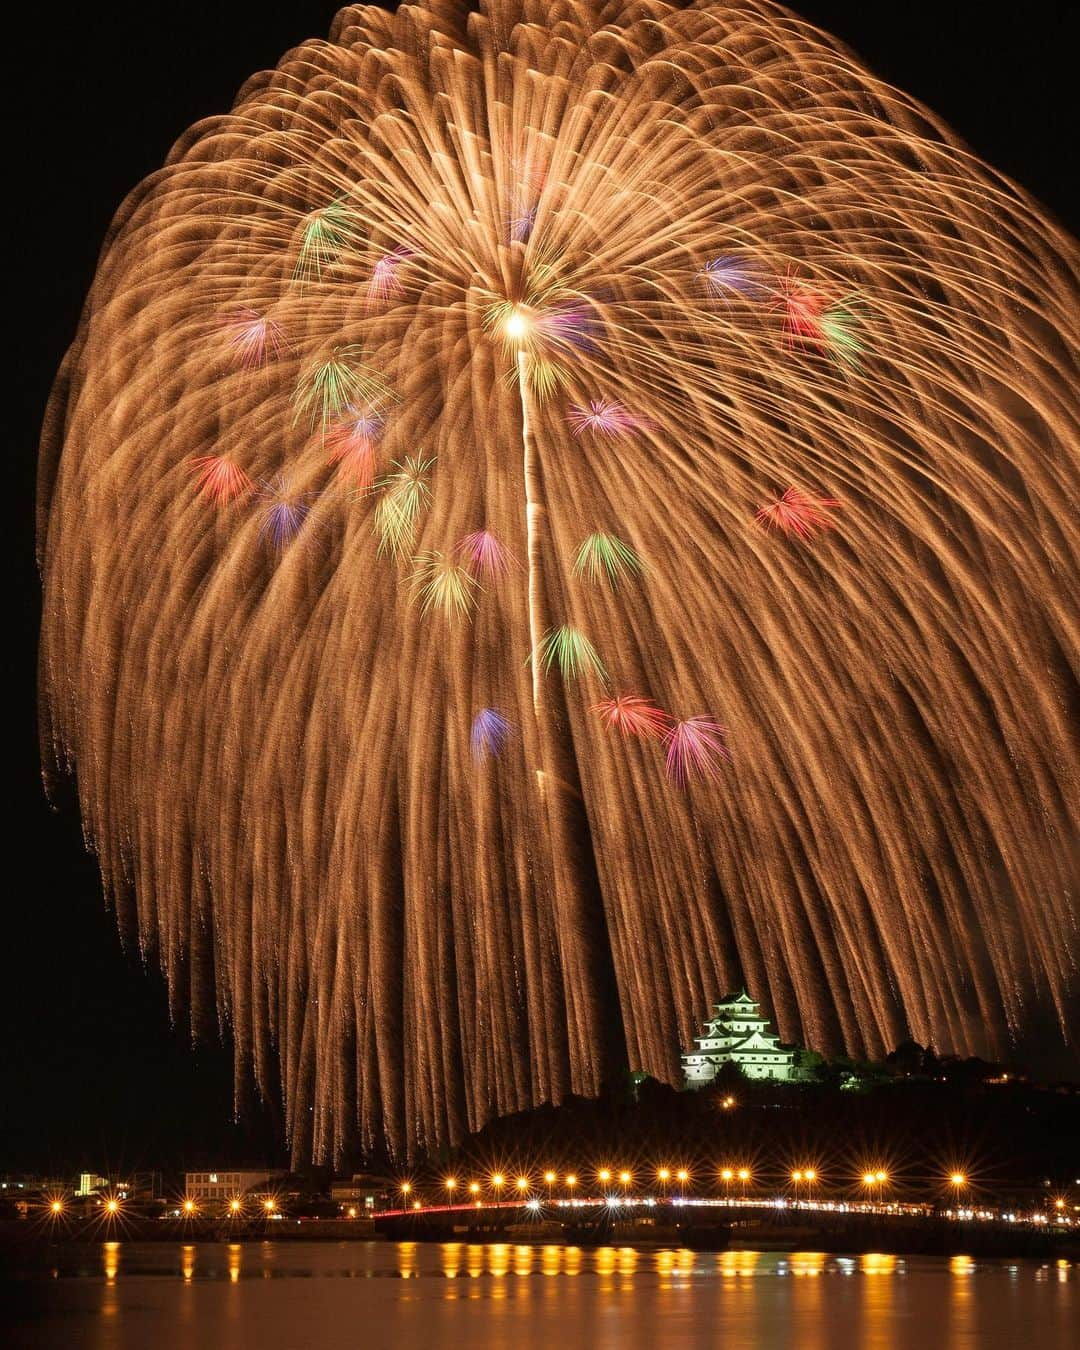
283	512
443	585
329	387
485	553
253	339
802	304
405	493
385	283
733	276
605	417
569	649
327	231
603	557
219	479
490	732
694	746
633	715
351	441
799	513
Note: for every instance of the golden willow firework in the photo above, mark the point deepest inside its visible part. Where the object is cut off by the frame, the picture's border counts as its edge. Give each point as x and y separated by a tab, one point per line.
554	512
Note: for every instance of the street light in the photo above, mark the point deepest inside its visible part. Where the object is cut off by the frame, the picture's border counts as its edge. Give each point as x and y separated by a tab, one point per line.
549	1178
603	1176
522	1184
189	1206
625	1177
497	1181
474	1188
234	1206
57	1206
450	1183
571	1181
682	1176
663	1175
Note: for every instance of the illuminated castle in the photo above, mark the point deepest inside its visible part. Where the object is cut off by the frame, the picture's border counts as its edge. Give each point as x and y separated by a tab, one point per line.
737	1033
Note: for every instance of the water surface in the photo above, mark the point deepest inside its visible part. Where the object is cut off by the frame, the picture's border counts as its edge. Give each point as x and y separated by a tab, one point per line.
376	1295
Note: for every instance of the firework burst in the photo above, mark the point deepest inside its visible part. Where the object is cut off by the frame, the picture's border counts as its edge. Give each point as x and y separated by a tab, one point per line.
283	512
490	732
569	649
253	339
444	586
604	416
797	512
695	748
602	557
504	232
486	554
632	715
220	479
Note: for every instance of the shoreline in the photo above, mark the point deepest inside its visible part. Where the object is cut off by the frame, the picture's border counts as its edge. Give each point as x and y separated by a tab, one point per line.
22	1239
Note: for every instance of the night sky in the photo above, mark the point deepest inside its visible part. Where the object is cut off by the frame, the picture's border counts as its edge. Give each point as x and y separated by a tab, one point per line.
91	1072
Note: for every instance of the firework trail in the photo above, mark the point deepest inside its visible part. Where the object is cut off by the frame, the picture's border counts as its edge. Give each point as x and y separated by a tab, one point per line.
554	512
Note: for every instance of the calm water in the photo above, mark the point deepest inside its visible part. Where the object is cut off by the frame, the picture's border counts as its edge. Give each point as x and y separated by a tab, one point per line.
367	1296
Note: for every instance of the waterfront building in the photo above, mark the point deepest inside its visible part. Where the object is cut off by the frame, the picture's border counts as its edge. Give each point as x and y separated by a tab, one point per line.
229	1184
738	1033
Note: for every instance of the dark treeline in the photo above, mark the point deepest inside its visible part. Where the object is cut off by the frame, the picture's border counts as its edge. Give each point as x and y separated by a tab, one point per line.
917	1117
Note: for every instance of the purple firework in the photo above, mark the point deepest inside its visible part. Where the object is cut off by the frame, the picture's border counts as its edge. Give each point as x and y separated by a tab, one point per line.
490	732
283	514
732	275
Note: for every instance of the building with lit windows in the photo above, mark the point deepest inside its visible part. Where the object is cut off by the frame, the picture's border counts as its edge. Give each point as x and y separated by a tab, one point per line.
228	1185
737	1033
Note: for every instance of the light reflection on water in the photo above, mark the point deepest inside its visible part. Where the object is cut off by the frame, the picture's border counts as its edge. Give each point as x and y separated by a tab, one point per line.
365	1295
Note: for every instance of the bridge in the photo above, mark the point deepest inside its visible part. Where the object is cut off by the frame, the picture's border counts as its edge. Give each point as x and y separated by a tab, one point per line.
714	1224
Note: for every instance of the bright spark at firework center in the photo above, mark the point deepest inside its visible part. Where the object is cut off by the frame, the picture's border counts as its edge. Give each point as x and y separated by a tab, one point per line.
518	326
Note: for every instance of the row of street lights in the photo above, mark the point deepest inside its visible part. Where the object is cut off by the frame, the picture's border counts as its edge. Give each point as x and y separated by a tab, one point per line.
499	1183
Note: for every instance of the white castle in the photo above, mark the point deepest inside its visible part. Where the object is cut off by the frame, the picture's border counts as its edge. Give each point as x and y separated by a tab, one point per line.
738	1034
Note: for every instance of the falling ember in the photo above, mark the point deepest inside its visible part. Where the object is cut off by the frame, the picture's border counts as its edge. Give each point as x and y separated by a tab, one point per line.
695	747
485	554
253	338
736	220
490	732
632	715
797	512
220	479
604	416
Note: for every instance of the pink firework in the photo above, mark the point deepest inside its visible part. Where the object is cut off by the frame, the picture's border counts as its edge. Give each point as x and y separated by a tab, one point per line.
351	443
220	479
799	513
633	715
603	416
384	282
485	553
253	338
695	746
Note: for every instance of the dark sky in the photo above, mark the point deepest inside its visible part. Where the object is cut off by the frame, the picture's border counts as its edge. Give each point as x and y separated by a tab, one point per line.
91	1072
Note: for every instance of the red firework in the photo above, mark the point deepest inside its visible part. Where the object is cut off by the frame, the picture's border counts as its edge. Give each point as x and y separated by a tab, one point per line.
797	512
633	715
220	479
